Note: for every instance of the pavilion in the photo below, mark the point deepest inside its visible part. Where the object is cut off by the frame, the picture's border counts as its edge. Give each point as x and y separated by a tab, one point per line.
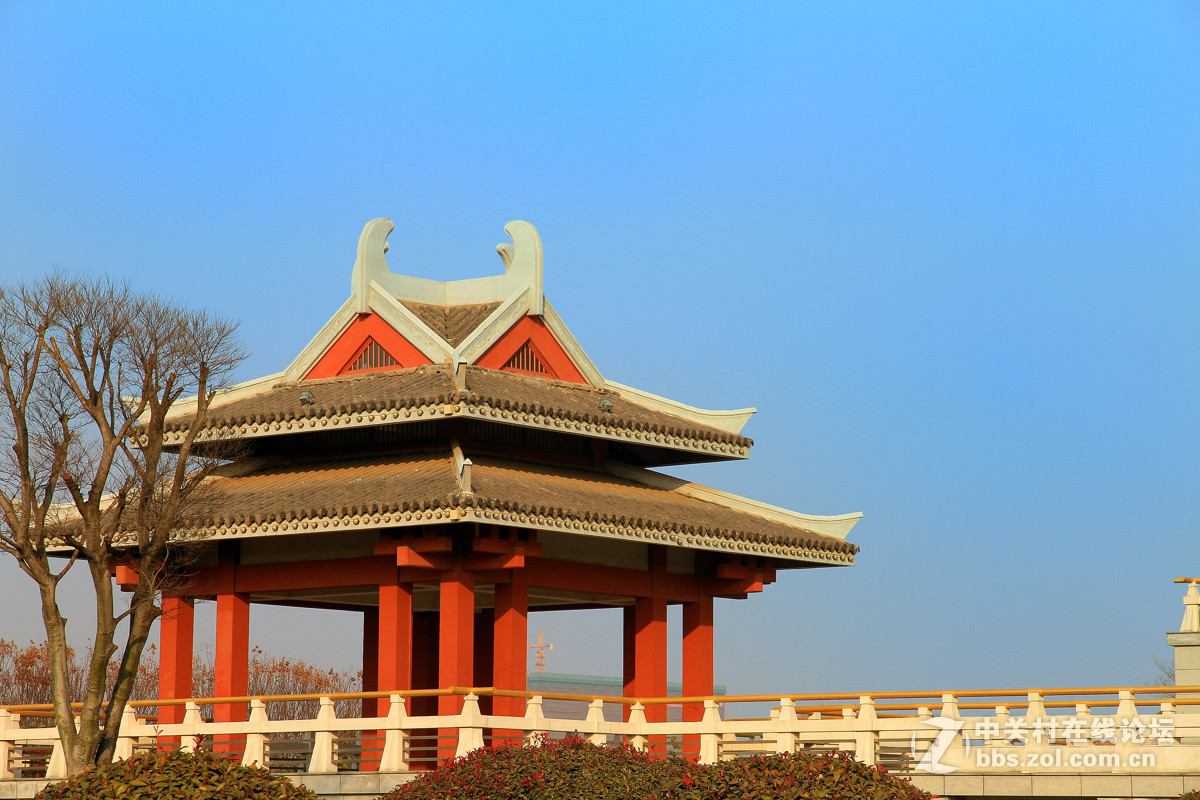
444	458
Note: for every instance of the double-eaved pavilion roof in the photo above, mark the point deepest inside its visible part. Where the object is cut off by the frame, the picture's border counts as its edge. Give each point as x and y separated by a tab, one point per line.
361	430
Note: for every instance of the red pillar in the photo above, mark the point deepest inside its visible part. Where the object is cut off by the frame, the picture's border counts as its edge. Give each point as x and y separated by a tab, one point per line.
175	631
697	655
697	664
628	654
394	636
650	641
370	660
456	636
232	650
456	647
485	654
387	655
511	635
650	669
425	659
423	744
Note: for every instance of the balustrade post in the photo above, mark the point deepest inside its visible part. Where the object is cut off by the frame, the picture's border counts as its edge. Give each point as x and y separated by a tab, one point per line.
56	768
395	738
255	754
470	726
785	726
1083	715
847	713
535	721
637	722
191	727
1126	713
595	720
124	748
1002	717
1035	710
710	740
322	755
6	727
1170	736
866	733
1126	707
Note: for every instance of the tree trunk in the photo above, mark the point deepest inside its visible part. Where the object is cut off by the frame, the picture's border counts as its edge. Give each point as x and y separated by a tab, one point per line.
142	616
56	646
102	651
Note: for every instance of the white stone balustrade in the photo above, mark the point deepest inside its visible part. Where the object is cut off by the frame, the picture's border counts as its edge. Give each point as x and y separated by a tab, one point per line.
886	732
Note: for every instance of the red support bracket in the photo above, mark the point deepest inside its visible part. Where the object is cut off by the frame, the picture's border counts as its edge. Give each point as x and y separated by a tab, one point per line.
126	576
497	561
408	557
507	546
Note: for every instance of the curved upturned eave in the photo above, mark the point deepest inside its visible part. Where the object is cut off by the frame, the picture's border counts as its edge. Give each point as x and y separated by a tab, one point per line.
259	409
285	497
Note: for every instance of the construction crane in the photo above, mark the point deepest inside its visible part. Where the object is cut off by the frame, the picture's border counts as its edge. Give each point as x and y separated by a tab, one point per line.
539	658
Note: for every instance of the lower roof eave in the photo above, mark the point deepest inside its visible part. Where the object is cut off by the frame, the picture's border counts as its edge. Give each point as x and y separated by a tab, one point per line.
797	554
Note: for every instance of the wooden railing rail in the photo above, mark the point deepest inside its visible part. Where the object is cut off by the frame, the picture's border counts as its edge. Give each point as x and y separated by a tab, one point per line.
930	699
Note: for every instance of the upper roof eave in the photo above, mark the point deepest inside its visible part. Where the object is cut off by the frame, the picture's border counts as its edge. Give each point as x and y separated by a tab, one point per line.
430	392
731	420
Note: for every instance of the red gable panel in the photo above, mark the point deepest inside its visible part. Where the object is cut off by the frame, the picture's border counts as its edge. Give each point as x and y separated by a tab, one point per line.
351	346
531	349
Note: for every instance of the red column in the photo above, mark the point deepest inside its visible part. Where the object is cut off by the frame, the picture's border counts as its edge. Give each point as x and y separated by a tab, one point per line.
456	651
456	646
650	669
628	654
425	658
394	663
370	660
390	658
175	631
485	654
697	664
697	655
511	635
423	744
232	650
650	642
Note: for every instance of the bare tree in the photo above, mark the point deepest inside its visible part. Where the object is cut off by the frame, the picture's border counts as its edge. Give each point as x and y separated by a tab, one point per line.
90	371
1166	673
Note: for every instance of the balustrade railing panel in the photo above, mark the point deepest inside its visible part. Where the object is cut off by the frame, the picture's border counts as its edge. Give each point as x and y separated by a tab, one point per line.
1145	730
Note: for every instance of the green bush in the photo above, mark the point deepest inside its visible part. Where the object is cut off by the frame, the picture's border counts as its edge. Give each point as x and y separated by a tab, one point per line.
176	775
557	768
835	776
571	769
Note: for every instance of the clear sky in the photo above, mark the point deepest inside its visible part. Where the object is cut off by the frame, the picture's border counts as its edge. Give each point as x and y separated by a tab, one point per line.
949	250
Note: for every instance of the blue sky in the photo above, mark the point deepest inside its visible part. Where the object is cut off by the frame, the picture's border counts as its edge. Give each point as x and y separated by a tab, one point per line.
949	250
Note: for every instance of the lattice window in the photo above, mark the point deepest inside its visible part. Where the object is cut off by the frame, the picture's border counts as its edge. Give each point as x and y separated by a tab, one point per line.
373	356
526	360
